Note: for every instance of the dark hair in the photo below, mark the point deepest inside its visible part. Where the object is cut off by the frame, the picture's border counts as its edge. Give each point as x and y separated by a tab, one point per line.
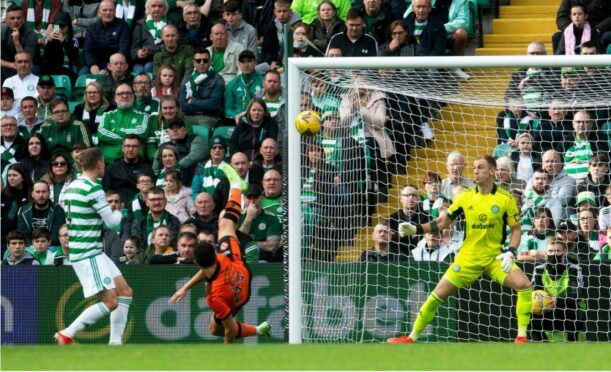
548	214
580	5
282	2
49	177
589	44
402	24
143	174
202	50
134	239
30	98
9	191
489	159
167	146
232	6
599	157
43	182
177	176
41	232
13	8
156	190
56	102
187	235
15	234
132	136
205	255
112	192
44	149
273	72
354	13
90	157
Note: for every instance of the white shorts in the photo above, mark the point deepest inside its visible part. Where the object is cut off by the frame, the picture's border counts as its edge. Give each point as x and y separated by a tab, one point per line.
96	274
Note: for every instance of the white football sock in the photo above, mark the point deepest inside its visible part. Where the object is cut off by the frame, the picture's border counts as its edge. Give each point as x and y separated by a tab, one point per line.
118	320
89	316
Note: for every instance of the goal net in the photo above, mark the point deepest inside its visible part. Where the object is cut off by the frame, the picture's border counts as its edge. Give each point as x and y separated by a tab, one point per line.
398	141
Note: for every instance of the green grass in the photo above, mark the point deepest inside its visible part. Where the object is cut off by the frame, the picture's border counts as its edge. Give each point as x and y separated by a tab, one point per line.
471	356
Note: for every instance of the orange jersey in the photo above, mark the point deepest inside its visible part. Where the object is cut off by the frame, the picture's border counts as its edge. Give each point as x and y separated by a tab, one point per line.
229	288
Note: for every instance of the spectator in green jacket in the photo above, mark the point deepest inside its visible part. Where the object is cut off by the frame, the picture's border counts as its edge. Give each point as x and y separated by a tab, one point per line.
178	55
243	87
61	131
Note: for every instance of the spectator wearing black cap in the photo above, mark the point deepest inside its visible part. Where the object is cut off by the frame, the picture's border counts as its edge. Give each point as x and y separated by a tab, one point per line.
202	91
61	49
224	53
105	37
46	94
122	174
24	82
191	149
208	174
15	38
9	105
260	229
243	87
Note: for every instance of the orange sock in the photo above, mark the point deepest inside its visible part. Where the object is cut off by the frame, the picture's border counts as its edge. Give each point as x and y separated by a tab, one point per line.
233	208
246	330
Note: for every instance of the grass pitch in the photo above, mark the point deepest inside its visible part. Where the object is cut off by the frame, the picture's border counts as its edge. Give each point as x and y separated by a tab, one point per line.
461	356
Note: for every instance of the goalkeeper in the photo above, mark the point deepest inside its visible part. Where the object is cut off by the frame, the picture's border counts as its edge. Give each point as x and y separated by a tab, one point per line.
487	210
564	281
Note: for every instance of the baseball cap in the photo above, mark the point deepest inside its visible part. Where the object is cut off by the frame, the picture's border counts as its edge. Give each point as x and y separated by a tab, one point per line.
587	197
218	141
8	92
175	122
567	225
253	190
569	71
246	55
46	80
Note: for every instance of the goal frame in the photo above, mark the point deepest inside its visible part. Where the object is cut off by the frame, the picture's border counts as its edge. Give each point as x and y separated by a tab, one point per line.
294	88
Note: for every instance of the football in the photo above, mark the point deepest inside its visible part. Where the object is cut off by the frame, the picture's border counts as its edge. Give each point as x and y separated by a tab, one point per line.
308	123
542	302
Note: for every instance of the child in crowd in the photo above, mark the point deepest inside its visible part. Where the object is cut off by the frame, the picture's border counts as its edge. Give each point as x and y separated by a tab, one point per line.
131	248
509	123
41	240
144	183
165	82
18	255
578	32
180	202
534	244
604	253
525	159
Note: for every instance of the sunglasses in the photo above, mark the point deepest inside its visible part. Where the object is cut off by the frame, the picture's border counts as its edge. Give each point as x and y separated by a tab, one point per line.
201	60
59	163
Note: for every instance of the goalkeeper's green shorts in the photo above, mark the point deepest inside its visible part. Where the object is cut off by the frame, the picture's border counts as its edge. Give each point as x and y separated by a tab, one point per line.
463	271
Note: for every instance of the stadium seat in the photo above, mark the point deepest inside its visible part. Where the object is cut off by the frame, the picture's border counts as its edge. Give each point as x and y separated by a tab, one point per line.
63	86
81	84
72	105
201	131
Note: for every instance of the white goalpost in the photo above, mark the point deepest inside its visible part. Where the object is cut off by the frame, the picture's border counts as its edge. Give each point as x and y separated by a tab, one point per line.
336	293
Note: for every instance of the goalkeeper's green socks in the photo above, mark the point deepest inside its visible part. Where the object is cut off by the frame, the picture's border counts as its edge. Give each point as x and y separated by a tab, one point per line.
523	310
426	315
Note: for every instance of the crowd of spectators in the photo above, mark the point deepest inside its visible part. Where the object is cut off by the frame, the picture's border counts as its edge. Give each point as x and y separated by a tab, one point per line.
174	89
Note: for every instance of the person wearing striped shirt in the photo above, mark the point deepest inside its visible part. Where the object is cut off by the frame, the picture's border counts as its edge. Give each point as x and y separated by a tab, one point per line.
587	142
87	213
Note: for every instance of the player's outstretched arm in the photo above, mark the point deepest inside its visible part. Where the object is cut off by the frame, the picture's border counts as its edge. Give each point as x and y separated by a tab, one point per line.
439	224
182	292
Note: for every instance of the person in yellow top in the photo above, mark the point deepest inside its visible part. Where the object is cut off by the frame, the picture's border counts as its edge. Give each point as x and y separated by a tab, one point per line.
487	210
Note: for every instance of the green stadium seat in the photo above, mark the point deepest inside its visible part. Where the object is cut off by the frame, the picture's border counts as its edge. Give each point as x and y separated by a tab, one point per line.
81	84
63	86
72	105
202	131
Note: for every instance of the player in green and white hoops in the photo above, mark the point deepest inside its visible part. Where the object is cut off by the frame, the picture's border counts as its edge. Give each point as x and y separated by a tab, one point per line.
86	213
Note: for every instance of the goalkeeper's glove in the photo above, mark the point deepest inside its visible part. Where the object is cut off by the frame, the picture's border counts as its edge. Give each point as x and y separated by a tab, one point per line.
407	229
506	261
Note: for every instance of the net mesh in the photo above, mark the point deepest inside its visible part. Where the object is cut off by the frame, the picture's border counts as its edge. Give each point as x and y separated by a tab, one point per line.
384	130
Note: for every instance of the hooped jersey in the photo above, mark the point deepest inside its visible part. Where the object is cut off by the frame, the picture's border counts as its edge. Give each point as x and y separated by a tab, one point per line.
486	218
229	288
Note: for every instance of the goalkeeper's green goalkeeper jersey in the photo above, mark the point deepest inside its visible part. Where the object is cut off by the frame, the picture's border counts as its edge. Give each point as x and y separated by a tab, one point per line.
486	218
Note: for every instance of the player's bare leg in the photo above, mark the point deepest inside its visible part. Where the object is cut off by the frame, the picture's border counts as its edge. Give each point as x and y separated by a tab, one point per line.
442	291
118	317
232	329
519	282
